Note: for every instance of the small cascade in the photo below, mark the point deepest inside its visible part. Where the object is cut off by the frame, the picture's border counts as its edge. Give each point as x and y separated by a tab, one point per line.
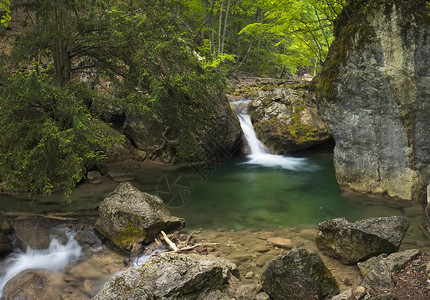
259	155
55	257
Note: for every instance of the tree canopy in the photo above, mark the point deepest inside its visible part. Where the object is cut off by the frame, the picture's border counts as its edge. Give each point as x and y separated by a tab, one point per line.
74	62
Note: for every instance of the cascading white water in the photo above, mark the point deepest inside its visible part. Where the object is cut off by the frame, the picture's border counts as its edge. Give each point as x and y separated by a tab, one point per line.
55	257
259	155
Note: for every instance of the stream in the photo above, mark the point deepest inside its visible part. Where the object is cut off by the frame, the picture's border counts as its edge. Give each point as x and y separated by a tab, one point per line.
261	191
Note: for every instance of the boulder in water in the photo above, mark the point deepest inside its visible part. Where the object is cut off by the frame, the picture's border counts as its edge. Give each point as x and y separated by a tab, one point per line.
354	242
298	274
286	119
33	285
128	216
171	276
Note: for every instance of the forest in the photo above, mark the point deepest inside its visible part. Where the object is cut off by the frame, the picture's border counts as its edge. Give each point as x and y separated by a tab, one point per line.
65	63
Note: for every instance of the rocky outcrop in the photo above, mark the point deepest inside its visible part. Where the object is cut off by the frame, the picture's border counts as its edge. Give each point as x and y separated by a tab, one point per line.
128	216
286	119
373	94
377	271
171	276
190	136
298	274
353	242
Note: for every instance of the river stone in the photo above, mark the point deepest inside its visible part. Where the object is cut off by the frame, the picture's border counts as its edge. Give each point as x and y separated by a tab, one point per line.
33	232
33	285
170	276
128	216
286	119
373	93
377	270
353	242
298	274
88	238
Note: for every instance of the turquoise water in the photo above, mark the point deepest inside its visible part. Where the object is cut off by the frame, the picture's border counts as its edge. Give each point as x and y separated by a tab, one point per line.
237	196
234	195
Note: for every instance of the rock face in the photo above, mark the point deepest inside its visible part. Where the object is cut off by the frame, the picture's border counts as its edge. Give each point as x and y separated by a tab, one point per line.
298	274
217	133
170	276
5	242
128	215
377	270
286	119
373	93
353	242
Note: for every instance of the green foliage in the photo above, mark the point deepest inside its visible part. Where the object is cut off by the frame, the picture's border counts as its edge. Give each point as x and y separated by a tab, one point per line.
4	12
47	134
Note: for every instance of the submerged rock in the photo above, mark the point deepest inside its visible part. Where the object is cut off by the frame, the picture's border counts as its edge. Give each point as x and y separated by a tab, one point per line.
377	271
33	285
353	242
298	274
171	276
373	94
128	216
286	119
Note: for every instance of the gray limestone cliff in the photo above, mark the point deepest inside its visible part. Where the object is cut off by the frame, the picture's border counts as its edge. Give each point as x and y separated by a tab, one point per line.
374	94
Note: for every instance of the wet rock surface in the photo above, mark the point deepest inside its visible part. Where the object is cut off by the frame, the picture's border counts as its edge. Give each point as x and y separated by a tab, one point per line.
33	285
5	242
170	276
128	216
298	274
353	242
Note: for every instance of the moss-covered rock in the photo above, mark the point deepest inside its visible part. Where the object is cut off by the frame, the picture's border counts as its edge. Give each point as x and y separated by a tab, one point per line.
286	119
128	216
298	274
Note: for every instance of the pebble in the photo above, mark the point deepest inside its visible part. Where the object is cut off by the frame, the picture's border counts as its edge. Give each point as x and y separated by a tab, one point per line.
249	275
262	249
280	242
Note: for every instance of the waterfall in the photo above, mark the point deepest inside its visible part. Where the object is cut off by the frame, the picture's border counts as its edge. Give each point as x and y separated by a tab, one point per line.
259	155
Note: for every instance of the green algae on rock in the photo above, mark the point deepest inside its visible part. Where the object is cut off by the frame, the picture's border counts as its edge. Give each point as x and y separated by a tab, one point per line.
286	119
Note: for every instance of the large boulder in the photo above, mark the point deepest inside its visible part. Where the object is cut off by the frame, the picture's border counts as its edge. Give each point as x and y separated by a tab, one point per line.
33	285
171	276
286	119
128	216
190	135
353	242
377	271
298	274
373	92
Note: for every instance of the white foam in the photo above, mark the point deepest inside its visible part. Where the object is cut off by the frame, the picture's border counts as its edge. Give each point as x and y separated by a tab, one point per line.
279	161
55	258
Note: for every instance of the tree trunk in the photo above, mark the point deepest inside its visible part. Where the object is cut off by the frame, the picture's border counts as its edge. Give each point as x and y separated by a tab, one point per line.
220	26
225	26
60	48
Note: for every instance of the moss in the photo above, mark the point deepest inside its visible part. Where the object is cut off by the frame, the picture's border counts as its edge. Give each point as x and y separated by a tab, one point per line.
355	35
128	236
